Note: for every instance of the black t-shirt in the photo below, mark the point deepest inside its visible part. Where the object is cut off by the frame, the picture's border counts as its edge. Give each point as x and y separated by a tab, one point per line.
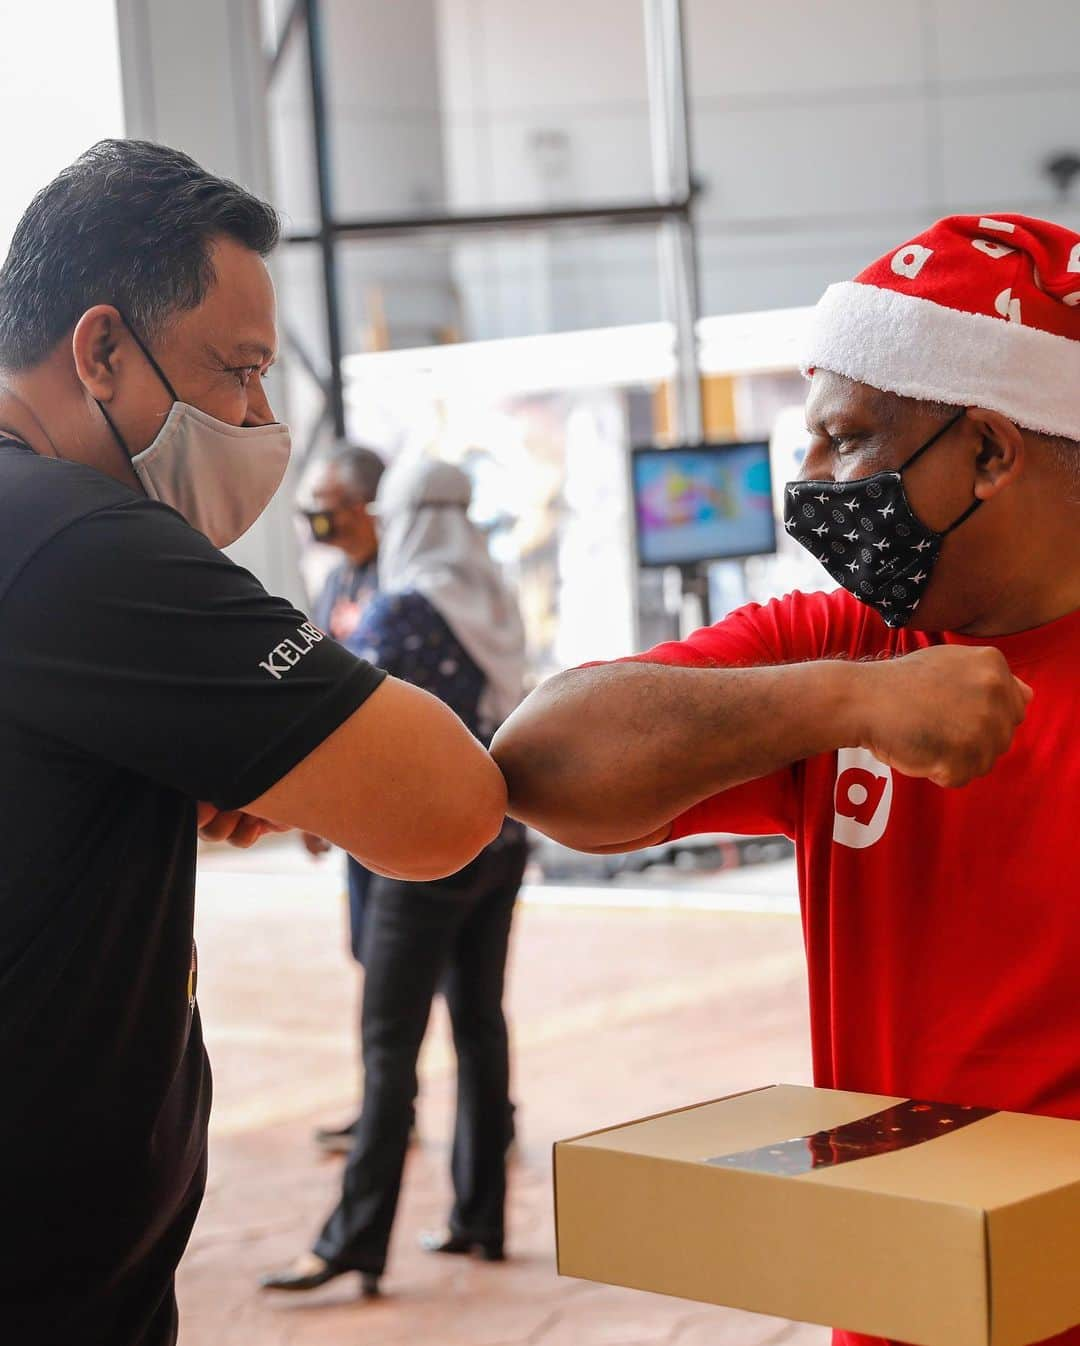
140	671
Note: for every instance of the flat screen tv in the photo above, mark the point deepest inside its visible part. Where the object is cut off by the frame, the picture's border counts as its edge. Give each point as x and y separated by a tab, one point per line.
703	502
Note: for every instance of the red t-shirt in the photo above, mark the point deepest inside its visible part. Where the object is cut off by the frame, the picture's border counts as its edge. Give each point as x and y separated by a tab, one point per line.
942	927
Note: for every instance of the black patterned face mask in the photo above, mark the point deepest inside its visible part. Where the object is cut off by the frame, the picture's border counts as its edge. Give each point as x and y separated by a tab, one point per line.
868	537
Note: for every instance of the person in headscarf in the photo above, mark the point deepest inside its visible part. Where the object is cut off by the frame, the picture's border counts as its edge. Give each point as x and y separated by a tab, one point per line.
444	621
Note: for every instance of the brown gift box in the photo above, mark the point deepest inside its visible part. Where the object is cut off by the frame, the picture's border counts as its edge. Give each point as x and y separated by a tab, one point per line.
929	1224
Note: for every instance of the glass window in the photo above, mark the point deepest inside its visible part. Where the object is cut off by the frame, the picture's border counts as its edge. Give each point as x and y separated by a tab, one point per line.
48	77
427	289
439	105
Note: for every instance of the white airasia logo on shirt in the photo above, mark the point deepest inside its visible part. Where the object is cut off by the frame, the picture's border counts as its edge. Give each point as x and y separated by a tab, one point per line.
863	798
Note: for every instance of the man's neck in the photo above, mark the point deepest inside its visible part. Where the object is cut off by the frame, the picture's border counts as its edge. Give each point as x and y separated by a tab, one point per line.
1045	584
39	407
19	419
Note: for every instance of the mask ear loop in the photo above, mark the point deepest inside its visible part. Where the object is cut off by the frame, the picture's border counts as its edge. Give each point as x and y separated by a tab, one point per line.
963	517
953	420
157	370
928	445
146	351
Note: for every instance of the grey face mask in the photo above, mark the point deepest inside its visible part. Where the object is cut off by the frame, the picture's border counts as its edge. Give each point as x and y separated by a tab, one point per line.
220	477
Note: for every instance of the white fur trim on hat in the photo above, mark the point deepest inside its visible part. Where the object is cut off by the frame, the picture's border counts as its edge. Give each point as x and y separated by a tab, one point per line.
917	348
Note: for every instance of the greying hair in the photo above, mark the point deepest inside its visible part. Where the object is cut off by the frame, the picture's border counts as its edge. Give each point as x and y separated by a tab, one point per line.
359	468
1063	452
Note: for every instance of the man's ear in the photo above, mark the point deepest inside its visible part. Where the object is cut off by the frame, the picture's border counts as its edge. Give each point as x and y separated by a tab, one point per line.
1000	459
97	345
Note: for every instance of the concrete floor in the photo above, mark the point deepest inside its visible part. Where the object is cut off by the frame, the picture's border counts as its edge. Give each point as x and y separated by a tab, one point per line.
616	1012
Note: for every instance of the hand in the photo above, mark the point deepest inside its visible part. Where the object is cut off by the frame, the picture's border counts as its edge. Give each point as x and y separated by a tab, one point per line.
315	846
945	714
234	826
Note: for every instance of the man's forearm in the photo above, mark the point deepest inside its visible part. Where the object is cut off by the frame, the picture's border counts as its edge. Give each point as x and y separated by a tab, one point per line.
607	757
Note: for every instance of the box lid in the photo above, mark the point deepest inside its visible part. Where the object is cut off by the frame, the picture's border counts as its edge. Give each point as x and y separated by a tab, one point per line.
996	1160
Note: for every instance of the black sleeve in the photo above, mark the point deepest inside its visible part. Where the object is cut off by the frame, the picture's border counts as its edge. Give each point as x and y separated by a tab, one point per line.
130	637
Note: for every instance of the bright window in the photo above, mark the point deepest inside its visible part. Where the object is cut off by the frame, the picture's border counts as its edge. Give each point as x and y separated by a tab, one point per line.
59	92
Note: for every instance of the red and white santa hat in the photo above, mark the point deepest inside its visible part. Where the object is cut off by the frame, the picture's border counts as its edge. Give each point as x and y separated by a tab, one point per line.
978	311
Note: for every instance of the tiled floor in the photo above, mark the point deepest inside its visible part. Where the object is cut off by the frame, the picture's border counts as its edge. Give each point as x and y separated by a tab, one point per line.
616	1013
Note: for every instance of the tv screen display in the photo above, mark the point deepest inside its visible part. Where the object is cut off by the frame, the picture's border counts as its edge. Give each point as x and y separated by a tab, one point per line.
703	502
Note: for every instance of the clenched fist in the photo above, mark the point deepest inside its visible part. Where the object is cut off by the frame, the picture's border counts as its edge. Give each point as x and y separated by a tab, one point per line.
946	713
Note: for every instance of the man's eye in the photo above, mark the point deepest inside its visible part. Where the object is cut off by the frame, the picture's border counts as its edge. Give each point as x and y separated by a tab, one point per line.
244	373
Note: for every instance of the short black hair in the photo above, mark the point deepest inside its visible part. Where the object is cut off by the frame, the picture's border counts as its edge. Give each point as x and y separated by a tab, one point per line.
128	223
359	468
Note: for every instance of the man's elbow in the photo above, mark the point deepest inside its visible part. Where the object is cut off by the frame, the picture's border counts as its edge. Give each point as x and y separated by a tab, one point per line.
523	752
471	817
511	761
455	852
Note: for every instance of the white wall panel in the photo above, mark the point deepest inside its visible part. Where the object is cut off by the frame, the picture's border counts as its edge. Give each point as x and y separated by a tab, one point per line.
570	159
824	158
789	47
994	145
1005	39
578	53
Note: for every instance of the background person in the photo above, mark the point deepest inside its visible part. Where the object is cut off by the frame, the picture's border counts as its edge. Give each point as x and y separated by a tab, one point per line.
342	494
444	621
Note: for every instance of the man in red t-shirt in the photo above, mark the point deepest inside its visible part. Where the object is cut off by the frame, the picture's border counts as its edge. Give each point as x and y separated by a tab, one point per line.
942	490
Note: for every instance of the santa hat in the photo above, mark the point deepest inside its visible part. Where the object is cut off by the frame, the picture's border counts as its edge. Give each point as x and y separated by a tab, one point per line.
979	311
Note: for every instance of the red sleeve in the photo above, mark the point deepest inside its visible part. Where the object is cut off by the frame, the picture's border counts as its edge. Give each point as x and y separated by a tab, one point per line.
785	631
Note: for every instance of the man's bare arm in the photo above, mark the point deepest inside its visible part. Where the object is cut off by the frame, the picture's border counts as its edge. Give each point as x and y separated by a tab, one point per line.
605	758
402	785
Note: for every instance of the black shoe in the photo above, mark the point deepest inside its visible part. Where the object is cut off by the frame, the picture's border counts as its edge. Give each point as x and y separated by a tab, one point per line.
488	1250
311	1280
335	1139
340	1140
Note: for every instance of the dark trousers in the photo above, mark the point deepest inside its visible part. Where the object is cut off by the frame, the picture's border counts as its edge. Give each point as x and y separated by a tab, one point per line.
359	881
451	935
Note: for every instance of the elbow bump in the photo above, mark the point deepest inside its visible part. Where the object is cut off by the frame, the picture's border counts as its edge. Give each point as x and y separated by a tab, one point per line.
455	827
449	859
479	831
476	831
511	747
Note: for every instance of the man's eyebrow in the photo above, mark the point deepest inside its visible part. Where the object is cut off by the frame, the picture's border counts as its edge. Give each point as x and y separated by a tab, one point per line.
819	424
252	351
838	425
256	348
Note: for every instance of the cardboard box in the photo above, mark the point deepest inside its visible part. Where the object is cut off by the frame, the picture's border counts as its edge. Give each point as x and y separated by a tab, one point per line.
922	1223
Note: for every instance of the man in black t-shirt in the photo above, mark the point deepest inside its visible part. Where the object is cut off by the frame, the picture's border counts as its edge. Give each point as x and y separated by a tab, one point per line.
148	685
